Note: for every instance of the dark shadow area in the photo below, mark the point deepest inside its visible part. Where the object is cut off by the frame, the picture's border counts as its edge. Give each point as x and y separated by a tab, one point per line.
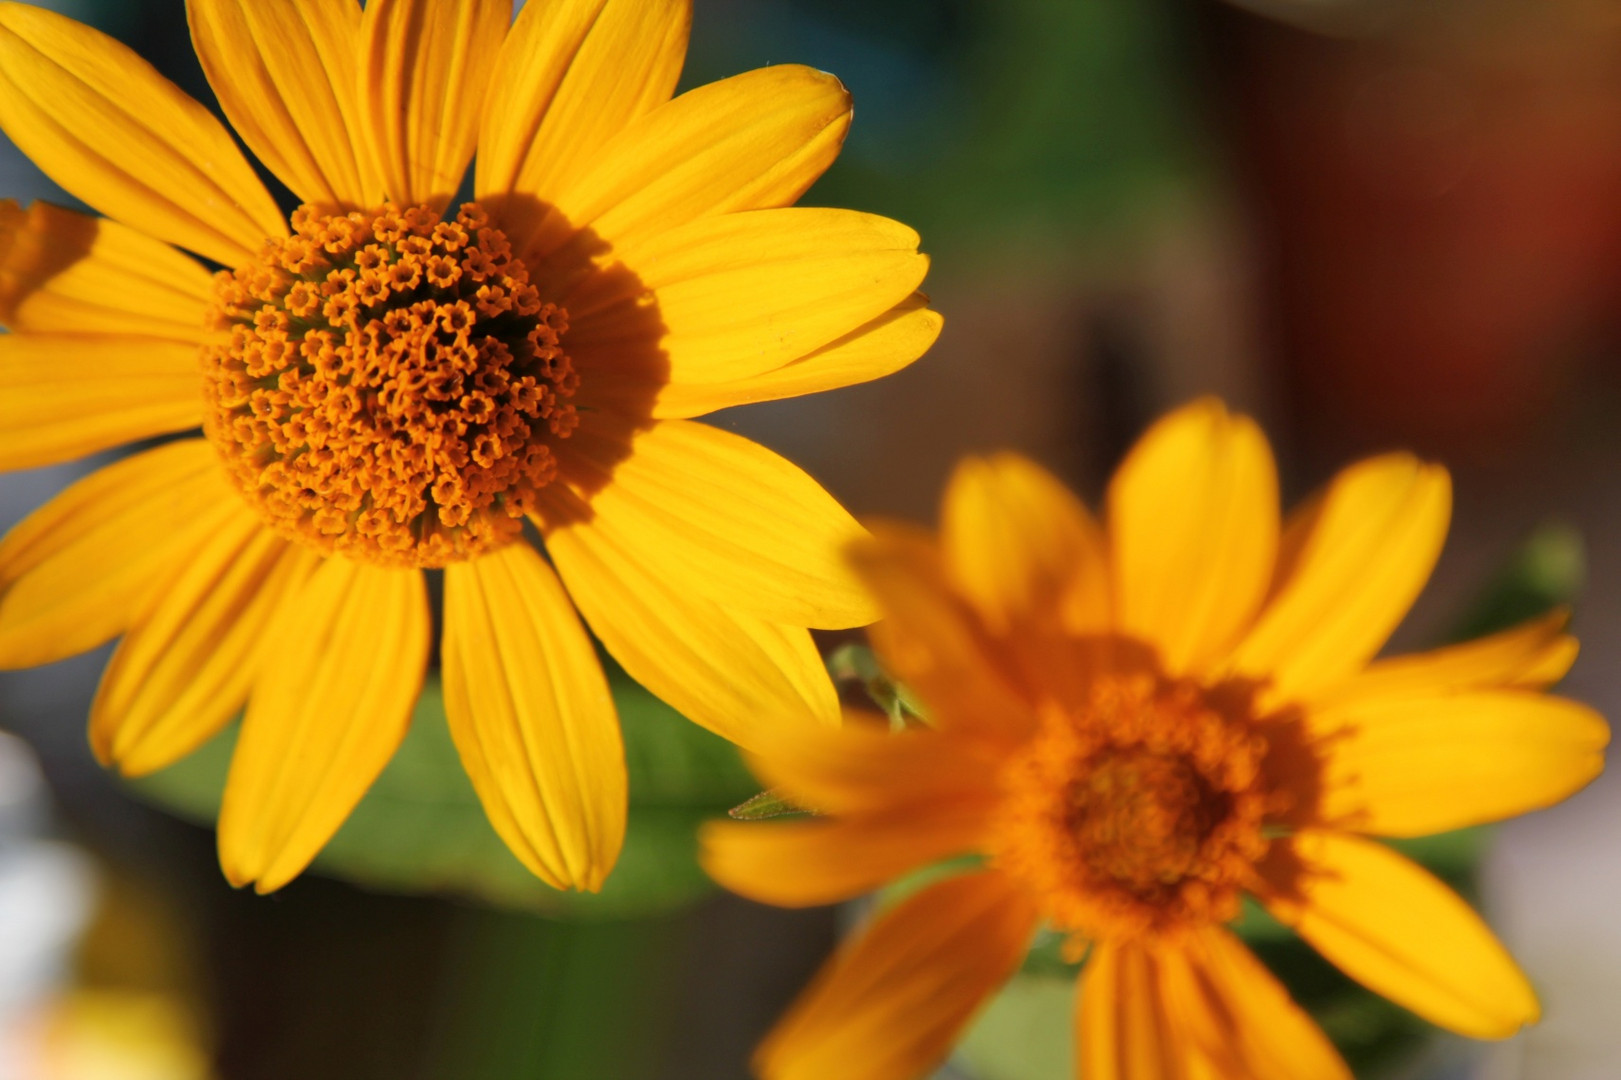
615	340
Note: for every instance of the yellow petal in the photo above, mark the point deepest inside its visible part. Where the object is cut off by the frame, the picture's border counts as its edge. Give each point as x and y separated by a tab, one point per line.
106	126
1022	549
881	347
65	272
719	515
530	711
734	673
741	294
890	1003
185	665
1531	656
75	572
805	863
1124	1031
751	142
1241	1018
1414	764
285	76
572	74
64	396
1193	532
1393	927
341	668
930	641
424	69
863	767
1352	563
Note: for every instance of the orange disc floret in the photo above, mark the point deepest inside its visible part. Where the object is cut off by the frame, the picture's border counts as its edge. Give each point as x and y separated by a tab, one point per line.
1140	813
390	386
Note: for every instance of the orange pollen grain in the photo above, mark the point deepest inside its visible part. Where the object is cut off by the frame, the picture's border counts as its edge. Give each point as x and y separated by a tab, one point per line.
389	385
1139	814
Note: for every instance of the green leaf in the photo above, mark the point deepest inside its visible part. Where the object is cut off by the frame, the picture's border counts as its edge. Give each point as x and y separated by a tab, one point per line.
1548	570
1255	924
421	828
1051	954
538	999
856	663
1025	1033
766	805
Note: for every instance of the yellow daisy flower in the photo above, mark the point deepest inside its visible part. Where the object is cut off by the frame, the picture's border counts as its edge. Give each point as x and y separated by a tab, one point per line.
387	385
1134	725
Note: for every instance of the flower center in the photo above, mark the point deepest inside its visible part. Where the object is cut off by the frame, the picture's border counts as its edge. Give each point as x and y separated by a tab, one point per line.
1140	818
1139	813
392	387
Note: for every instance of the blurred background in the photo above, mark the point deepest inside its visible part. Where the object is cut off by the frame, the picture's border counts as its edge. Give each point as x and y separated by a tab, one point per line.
1370	223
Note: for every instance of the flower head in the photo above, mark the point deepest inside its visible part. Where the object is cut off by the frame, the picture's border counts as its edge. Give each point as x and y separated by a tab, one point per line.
385	384
1134	725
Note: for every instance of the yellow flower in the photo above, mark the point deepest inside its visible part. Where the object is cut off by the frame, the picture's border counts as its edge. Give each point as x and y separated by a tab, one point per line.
1135	724
388	386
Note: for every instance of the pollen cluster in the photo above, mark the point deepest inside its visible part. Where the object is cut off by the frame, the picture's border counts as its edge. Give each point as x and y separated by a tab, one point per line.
389	386
1138	814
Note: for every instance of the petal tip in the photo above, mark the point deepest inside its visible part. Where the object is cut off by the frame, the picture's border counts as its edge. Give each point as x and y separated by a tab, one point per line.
236	874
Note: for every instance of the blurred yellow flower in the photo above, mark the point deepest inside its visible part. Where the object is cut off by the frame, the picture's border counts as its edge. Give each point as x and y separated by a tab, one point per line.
386	387
1135	724
120	1034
